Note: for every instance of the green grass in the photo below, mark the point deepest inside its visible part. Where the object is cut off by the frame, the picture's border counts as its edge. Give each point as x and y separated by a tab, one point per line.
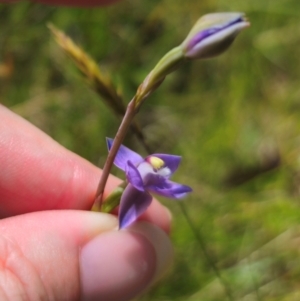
234	119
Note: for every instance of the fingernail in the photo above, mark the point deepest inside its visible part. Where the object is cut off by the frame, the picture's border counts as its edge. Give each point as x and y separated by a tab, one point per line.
119	265
161	243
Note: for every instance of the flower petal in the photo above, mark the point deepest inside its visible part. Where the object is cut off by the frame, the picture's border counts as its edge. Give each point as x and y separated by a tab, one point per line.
169	189
133	176
171	161
124	154
133	204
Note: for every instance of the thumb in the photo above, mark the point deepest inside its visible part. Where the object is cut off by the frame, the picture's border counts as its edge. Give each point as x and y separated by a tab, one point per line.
71	255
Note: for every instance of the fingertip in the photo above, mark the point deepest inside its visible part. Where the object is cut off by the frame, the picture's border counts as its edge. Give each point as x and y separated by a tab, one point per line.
116	265
120	265
161	243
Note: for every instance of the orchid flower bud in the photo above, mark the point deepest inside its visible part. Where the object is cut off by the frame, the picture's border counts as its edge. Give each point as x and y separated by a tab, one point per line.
213	34
210	36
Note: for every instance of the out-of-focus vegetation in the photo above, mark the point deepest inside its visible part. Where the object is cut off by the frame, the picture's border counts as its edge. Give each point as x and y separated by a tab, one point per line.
234	119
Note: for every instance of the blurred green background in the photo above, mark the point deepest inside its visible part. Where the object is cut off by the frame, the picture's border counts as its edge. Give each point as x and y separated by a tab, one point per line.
234	119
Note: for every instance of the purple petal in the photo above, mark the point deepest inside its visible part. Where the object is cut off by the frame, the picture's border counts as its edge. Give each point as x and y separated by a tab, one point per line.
171	161
169	189
133	176
124	154
200	36
133	204
153	180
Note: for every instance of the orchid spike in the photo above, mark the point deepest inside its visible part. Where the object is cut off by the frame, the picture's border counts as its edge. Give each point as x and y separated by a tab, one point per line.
213	34
145	176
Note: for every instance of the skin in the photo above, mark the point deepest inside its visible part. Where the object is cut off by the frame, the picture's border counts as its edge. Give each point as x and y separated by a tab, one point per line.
51	246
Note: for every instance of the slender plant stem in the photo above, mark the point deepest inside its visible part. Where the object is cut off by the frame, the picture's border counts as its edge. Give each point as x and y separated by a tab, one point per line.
201	243
121	133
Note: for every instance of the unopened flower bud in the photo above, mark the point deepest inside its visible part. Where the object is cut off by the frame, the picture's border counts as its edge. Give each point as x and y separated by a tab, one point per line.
213	34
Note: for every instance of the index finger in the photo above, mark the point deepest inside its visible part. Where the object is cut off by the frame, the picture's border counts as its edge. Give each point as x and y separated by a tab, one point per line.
38	174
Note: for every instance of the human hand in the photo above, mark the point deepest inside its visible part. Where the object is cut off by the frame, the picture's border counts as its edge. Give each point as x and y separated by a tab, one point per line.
67	254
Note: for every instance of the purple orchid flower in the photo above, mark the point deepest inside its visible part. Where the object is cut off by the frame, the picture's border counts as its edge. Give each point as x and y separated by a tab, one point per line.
145	176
